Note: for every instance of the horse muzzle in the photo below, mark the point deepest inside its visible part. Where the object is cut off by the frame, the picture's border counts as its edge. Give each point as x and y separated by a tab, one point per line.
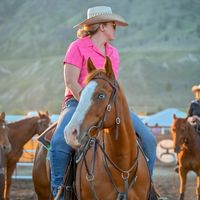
71	138
6	148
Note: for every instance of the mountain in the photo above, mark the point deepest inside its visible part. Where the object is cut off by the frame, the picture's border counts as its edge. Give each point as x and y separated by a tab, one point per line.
160	51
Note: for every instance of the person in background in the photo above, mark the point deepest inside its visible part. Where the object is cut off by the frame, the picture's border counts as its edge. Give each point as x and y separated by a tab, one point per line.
194	107
94	37
193	113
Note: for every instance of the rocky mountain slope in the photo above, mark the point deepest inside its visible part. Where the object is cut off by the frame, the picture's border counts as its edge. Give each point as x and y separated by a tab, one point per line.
160	51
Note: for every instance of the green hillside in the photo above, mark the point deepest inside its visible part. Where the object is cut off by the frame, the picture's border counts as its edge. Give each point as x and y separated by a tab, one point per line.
160	51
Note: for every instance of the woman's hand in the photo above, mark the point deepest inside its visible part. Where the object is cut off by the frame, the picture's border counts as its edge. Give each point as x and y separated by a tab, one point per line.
194	119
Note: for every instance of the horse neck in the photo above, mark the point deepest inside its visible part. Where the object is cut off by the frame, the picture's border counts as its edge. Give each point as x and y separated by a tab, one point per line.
122	150
22	131
194	139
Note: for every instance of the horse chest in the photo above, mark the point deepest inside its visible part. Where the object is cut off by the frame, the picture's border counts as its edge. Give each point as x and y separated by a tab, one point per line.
191	162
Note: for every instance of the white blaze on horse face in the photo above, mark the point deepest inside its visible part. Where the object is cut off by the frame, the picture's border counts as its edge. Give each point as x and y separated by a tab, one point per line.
79	115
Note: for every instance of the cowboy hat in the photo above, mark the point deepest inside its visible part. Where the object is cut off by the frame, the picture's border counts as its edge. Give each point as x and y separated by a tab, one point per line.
196	88
100	14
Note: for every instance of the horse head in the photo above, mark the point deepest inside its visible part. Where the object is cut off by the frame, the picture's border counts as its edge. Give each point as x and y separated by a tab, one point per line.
43	121
97	106
180	130
4	141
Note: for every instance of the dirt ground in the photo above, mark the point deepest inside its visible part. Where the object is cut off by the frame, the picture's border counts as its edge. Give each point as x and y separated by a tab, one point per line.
166	180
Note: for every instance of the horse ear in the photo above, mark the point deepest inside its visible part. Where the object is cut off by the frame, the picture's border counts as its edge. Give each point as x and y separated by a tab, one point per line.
90	65
174	116
3	115
39	113
46	113
108	68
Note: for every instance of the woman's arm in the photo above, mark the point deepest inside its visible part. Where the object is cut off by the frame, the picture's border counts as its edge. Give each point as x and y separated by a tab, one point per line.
71	76
190	110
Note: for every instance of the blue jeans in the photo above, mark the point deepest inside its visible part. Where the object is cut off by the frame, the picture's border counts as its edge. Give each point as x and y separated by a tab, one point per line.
148	140
60	150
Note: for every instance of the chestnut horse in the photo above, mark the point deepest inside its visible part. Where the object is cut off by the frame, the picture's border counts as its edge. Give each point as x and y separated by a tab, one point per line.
41	174
5	147
41	170
124	162
20	132
113	165
187	146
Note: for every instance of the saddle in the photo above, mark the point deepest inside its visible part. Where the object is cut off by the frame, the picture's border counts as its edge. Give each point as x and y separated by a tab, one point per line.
45	137
68	185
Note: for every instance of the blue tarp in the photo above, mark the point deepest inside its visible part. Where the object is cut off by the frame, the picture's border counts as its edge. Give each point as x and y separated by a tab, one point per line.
163	118
12	118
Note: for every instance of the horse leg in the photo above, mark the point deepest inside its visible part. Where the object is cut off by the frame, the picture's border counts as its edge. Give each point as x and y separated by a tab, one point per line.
9	173
40	174
183	179
2	183
198	187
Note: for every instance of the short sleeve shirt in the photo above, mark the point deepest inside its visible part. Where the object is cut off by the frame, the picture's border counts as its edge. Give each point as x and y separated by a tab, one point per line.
194	108
81	49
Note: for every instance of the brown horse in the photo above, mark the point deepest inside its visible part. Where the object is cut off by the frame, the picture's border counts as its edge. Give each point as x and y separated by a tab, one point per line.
41	170
40	174
5	147
20	132
124	170
187	146
112	166
4	141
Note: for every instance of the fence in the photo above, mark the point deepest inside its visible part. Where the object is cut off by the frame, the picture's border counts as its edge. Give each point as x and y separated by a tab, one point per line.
24	166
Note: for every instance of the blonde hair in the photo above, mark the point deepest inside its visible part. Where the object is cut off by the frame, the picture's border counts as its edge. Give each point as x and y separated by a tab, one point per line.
87	30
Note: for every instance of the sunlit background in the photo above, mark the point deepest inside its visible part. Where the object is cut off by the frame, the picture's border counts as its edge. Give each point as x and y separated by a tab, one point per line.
160	52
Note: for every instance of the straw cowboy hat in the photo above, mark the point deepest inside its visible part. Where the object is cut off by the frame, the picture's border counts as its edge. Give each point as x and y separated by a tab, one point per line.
196	88
99	14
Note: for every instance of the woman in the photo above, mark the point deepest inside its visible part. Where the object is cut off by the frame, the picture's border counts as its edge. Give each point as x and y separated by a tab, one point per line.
94	35
194	108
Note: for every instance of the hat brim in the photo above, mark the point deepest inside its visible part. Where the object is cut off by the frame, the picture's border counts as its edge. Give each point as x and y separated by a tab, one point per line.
196	88
103	18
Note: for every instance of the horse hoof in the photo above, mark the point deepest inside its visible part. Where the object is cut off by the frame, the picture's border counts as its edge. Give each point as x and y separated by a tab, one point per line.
181	197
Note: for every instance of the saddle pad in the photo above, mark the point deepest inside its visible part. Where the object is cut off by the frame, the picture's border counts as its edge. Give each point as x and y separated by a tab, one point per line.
46	136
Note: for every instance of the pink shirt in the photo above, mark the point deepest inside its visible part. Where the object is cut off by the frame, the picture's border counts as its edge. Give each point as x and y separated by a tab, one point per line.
81	49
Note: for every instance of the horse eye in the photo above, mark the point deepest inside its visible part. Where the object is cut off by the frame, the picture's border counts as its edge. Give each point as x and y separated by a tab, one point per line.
101	96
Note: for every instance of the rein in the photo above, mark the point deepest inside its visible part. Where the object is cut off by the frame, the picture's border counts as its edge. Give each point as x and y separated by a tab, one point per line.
185	139
94	143
113	98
